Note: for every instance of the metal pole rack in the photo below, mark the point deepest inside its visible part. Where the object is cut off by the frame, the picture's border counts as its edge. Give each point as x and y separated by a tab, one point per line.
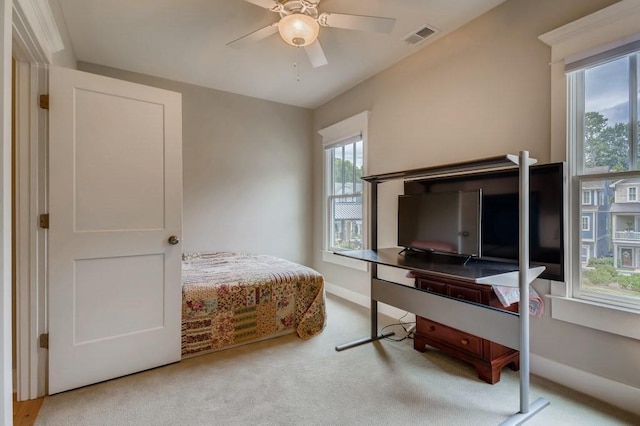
502	327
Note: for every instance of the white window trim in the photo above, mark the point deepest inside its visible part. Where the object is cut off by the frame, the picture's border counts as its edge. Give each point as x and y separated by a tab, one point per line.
588	198
610	27
357	124
582	222
588	252
635	194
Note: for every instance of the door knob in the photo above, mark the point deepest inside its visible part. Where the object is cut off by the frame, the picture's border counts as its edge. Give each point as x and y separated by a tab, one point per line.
173	240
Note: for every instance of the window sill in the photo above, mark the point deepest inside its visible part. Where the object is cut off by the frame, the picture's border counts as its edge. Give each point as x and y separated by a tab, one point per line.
620	321
330	257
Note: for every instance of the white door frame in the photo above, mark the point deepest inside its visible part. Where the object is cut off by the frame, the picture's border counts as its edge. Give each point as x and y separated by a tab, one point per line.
5	211
30	172
35	38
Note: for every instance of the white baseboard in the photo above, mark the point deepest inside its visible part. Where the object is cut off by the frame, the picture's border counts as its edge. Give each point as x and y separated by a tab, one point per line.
615	393
365	301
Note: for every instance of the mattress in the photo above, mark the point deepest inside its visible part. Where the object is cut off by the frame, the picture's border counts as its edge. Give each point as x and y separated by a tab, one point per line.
235	298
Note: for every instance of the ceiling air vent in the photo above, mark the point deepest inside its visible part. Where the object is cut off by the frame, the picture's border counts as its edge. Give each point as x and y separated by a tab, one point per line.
420	35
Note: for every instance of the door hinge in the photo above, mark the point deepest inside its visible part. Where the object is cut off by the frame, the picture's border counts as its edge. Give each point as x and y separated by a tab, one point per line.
44	221
44	101
44	340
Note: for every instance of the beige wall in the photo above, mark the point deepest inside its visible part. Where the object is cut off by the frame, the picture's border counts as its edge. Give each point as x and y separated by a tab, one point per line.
246	163
484	90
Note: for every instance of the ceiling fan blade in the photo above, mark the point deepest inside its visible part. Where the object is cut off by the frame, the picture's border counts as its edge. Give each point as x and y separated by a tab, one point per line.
255	36
267	4
316	54
357	22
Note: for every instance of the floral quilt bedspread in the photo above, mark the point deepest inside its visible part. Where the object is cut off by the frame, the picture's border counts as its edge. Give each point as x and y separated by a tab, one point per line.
233	298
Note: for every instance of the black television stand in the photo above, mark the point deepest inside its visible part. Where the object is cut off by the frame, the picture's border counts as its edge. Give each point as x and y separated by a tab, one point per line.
432	256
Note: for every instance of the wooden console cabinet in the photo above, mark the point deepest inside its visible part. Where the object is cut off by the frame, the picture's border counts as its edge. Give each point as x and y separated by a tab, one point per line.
488	357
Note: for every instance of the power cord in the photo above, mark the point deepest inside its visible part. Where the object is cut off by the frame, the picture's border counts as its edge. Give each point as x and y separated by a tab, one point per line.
409	328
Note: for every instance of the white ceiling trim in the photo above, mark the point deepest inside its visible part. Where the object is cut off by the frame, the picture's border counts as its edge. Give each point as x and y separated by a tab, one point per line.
344	129
35	20
617	24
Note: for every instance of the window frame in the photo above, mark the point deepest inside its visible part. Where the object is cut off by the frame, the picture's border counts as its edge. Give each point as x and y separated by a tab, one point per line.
331	135
587	255
603	30
579	174
588	224
329	193
586	197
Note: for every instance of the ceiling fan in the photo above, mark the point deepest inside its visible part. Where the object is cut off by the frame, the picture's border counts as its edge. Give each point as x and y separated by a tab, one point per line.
300	23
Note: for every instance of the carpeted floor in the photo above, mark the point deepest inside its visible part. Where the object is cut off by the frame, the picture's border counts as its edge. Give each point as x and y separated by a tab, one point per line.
288	381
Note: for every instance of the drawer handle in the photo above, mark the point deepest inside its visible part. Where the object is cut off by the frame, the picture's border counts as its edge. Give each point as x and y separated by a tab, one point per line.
432	328
461	296
464	342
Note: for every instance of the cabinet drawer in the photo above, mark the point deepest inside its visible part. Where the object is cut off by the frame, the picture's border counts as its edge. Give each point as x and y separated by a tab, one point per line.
450	336
465	293
431	286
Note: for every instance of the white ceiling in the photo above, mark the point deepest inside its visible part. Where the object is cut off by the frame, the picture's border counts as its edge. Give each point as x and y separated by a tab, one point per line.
185	40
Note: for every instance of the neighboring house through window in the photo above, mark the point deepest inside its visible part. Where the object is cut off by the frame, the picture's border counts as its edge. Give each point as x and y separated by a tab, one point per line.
344	195
603	104
344	206
586	197
584	254
595	119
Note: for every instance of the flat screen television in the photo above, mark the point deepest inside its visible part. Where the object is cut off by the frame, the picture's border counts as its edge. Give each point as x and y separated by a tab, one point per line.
500	222
499	230
441	222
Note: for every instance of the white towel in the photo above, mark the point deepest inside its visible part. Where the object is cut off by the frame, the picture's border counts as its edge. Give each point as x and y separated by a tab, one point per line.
509	295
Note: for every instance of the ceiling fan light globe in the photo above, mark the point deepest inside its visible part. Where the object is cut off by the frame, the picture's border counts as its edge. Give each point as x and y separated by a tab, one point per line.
298	29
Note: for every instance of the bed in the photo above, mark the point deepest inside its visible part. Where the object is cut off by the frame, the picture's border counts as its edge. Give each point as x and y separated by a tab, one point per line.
230	299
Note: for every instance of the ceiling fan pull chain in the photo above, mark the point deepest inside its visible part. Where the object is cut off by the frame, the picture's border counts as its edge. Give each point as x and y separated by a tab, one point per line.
296	64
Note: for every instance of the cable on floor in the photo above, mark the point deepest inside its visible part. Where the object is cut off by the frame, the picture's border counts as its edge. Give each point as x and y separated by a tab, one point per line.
408	328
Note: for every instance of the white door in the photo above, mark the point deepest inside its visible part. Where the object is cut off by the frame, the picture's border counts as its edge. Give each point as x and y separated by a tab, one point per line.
115	185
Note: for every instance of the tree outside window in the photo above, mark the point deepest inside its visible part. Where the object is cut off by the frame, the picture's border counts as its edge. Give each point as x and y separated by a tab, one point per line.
345	196
606	103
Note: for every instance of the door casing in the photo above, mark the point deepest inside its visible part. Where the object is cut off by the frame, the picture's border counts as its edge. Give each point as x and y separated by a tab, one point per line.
33	50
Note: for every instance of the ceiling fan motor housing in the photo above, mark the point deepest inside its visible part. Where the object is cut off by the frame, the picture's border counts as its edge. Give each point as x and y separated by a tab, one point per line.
305	7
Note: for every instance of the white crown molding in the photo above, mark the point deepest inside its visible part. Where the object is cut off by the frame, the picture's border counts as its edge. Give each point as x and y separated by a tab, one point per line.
600	18
344	129
36	19
615	24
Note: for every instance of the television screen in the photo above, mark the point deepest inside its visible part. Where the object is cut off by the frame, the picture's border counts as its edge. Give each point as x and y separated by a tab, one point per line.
499	235
445	222
500	223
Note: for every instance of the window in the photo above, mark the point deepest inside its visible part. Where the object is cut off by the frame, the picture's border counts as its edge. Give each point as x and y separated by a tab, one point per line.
344	194
584	254
603	104
598	33
586	198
